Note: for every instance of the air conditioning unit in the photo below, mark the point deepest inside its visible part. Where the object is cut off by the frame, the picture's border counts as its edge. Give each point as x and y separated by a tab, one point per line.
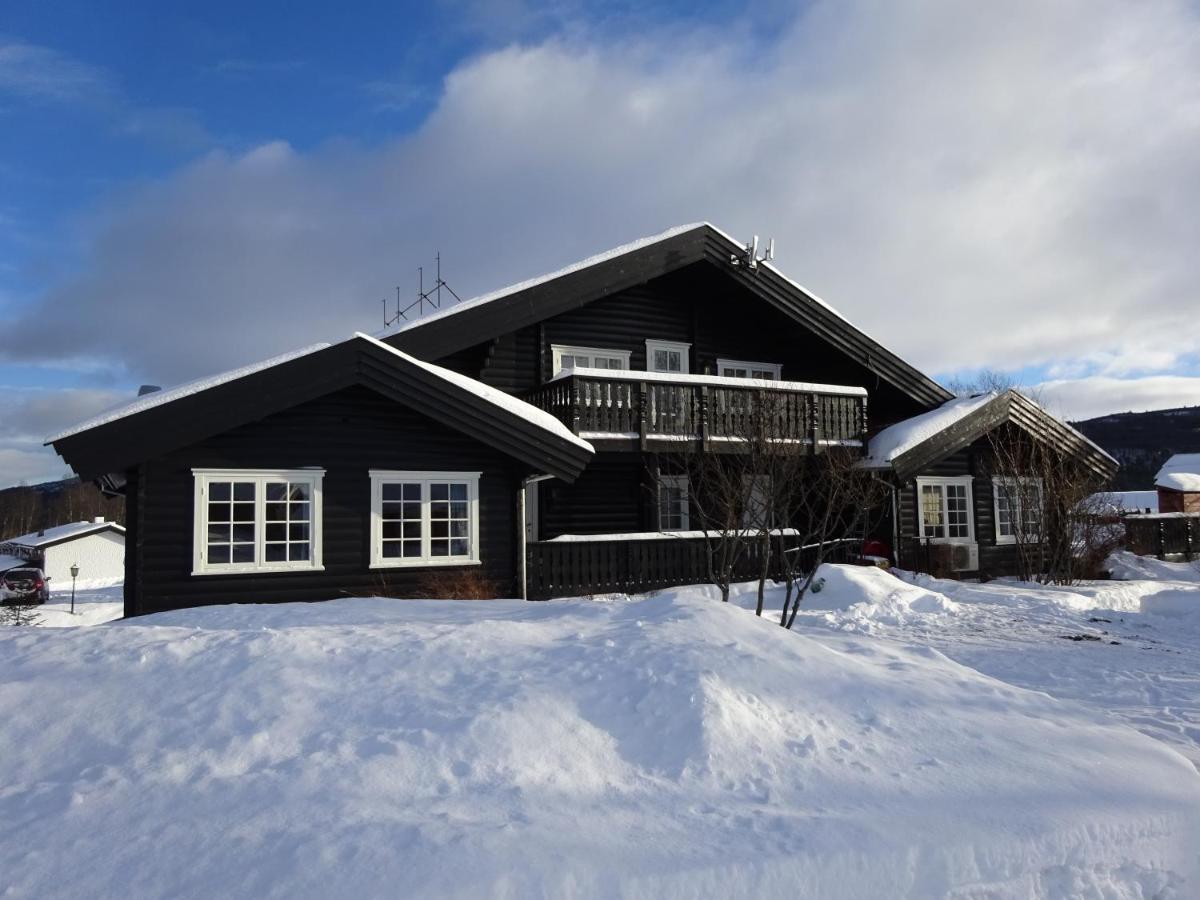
964	557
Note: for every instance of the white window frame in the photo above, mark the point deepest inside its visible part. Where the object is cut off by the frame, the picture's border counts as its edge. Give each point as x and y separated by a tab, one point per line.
1015	480
746	364
943	482
201	480
558	351
379	477
679	482
684	351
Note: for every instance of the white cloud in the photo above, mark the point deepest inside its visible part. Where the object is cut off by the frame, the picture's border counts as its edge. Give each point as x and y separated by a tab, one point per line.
1086	398
30	415
1001	185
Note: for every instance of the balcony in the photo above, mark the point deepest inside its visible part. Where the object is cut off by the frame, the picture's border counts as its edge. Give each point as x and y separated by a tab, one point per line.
658	411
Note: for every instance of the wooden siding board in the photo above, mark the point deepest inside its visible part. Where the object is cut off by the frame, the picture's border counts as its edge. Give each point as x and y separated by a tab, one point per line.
348	433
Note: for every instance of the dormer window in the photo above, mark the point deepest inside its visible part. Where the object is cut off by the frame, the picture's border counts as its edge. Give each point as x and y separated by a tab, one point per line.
568	357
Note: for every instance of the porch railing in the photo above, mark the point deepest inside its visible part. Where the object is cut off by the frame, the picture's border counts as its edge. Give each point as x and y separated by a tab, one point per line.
616	565
650	407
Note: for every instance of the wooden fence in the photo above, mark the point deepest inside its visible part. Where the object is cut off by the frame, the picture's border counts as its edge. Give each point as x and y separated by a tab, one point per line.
1165	535
583	567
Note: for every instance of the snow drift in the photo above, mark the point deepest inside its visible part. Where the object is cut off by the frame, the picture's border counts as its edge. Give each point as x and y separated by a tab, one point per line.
671	747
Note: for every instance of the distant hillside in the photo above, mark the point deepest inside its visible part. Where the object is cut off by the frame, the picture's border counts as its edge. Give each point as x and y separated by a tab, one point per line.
26	509
1141	442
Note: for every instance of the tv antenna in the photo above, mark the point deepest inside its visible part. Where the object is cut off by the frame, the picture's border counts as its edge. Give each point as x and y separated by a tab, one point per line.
749	257
432	297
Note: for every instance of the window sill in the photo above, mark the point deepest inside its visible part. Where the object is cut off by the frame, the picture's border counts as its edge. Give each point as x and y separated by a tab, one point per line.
957	540
425	564
258	570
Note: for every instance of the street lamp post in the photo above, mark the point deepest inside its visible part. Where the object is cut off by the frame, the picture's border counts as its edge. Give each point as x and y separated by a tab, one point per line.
74	575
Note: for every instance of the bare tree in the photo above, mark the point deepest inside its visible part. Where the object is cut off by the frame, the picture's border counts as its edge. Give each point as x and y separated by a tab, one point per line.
1040	492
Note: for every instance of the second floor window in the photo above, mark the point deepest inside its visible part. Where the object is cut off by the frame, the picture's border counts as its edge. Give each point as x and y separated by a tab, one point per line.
740	368
667	356
569	357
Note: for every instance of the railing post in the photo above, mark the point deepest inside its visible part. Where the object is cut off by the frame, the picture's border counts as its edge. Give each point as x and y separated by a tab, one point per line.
702	426
1162	540
1187	539
574	400
642	392
863	426
815	423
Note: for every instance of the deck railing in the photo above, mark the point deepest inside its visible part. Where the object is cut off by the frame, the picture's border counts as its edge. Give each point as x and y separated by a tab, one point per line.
1165	535
650	407
610	564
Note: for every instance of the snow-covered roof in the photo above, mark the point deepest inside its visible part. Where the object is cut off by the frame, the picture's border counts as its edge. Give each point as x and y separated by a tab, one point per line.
593	260
498	398
715	381
11	562
158	398
1180	473
898	439
514	405
1127	501
61	533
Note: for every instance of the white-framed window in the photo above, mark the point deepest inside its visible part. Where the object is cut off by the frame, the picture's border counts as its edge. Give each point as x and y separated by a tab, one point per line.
742	368
424	519
1018	507
944	509
667	356
256	520
673	507
757	497
568	357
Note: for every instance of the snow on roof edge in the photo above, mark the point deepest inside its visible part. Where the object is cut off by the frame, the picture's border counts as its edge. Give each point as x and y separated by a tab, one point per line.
514	405
1181	472
594	259
159	398
61	532
897	439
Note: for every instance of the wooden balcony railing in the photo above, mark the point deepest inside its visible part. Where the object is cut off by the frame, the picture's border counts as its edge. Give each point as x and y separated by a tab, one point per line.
653	408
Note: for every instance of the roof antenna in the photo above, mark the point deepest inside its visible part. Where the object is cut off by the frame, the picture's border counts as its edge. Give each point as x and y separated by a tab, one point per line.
749	257
433	296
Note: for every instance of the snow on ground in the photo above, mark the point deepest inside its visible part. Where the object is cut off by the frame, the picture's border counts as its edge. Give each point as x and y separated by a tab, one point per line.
93	606
671	746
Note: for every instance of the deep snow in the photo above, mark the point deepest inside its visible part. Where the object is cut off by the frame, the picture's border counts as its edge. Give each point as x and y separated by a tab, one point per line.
669	746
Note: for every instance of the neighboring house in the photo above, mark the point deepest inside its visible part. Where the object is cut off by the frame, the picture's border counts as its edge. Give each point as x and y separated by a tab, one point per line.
1178	484
953	492
96	547
506	431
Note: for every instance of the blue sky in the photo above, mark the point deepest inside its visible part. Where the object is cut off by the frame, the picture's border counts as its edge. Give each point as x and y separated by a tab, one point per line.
185	188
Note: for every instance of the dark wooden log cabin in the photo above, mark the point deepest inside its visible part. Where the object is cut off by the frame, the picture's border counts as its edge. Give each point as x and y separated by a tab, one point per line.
348	470
559	411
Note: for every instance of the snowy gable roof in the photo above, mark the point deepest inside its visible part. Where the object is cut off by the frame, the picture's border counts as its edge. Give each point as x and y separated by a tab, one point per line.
60	533
159	398
908	446
164	421
896	440
1180	473
592	260
489	316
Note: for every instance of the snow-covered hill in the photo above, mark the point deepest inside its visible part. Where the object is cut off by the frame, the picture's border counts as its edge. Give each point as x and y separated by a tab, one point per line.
667	747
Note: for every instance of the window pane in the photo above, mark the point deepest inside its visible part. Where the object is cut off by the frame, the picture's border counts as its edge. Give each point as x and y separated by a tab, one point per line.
276	490
218	553
276	512
439	548
219	512
391	549
299	490
412	492
243	490
460	547
243	534
439	529
439	491
460	528
276	552
458	510
931	510
298	552
392	491
394	510
243	512
412	548
243	553
218	533
458	492
298	532
218	490
298	512
392	530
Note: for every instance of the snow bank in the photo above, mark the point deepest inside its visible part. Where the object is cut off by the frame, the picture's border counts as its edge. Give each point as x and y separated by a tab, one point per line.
1127	566
671	747
872	595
